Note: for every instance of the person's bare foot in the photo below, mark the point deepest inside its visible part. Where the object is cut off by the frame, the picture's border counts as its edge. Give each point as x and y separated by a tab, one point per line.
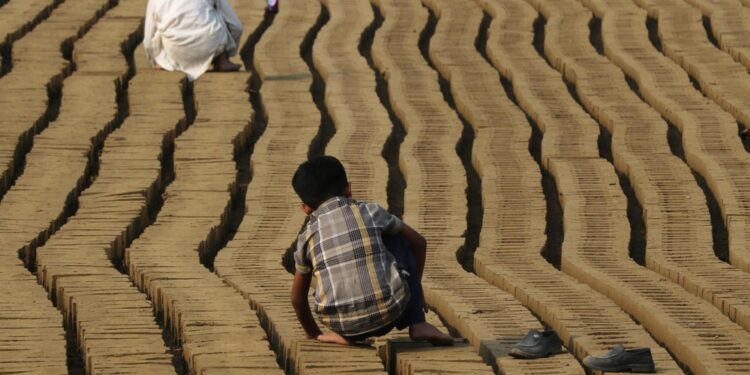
333	338
427	332
158	67
222	64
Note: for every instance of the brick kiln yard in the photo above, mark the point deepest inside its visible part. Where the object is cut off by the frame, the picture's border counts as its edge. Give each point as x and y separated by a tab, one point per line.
581	159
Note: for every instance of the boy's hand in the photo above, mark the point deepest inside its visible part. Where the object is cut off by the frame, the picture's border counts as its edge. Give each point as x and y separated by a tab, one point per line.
300	288
334	338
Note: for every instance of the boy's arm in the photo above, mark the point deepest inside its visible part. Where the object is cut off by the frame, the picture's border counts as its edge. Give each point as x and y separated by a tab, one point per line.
418	246
300	288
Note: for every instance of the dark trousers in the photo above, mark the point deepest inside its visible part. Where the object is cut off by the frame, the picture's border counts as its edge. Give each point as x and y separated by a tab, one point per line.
414	313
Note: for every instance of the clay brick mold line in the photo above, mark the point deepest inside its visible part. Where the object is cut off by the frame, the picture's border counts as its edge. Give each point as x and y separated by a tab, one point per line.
20	224
685	38
244	143
727	27
392	147
16	21
587	261
503	135
465	253
118	207
318	88
213	323
43	60
251	261
712	73
491	319
706	147
646	296
405	357
361	128
77	265
570	26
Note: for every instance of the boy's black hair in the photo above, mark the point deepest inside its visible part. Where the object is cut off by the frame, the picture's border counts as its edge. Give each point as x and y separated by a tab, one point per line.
319	179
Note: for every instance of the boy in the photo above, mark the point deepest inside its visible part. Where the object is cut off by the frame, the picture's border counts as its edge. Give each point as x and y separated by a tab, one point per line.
367	283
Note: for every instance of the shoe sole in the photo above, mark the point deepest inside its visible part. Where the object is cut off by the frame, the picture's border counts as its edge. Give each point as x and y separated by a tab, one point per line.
521	355
631	368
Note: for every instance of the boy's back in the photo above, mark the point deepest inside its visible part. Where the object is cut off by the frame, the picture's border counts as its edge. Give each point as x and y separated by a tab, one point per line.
359	287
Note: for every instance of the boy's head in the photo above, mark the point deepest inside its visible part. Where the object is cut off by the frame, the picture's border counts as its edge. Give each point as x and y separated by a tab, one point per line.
318	180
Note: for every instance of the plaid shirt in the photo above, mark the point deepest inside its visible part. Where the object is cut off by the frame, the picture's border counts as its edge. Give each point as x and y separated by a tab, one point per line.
359	288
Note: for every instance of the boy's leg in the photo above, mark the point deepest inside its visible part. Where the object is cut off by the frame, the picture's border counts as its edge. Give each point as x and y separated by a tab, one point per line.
401	251
414	316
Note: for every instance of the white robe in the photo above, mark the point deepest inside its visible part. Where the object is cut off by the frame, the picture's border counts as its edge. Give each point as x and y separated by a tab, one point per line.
186	35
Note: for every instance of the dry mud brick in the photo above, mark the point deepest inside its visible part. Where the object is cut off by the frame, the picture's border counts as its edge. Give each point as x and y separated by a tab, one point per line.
739	237
711	146
362	124
405	357
38	65
596	228
510	243
251	262
32	209
723	80
214	323
588	235
114	323
19	16
435	202
31	335
684	40
730	25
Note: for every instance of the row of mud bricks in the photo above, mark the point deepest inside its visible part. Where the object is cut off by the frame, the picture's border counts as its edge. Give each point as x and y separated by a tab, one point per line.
217	337
677	240
639	154
81	266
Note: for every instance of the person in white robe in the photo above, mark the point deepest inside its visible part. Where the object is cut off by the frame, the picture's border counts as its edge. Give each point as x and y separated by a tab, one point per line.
191	35
272	6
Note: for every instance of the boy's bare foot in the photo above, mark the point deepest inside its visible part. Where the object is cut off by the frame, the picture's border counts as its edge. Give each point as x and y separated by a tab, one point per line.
222	64
427	332
334	338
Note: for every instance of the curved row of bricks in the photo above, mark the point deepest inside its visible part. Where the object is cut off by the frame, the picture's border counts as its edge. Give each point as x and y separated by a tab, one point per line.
676	222
32	339
435	202
32	210
251	261
729	25
113	322
16	20
589	234
338	59
684	39
727	83
510	183
711	148
362	124
275	311
218	331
